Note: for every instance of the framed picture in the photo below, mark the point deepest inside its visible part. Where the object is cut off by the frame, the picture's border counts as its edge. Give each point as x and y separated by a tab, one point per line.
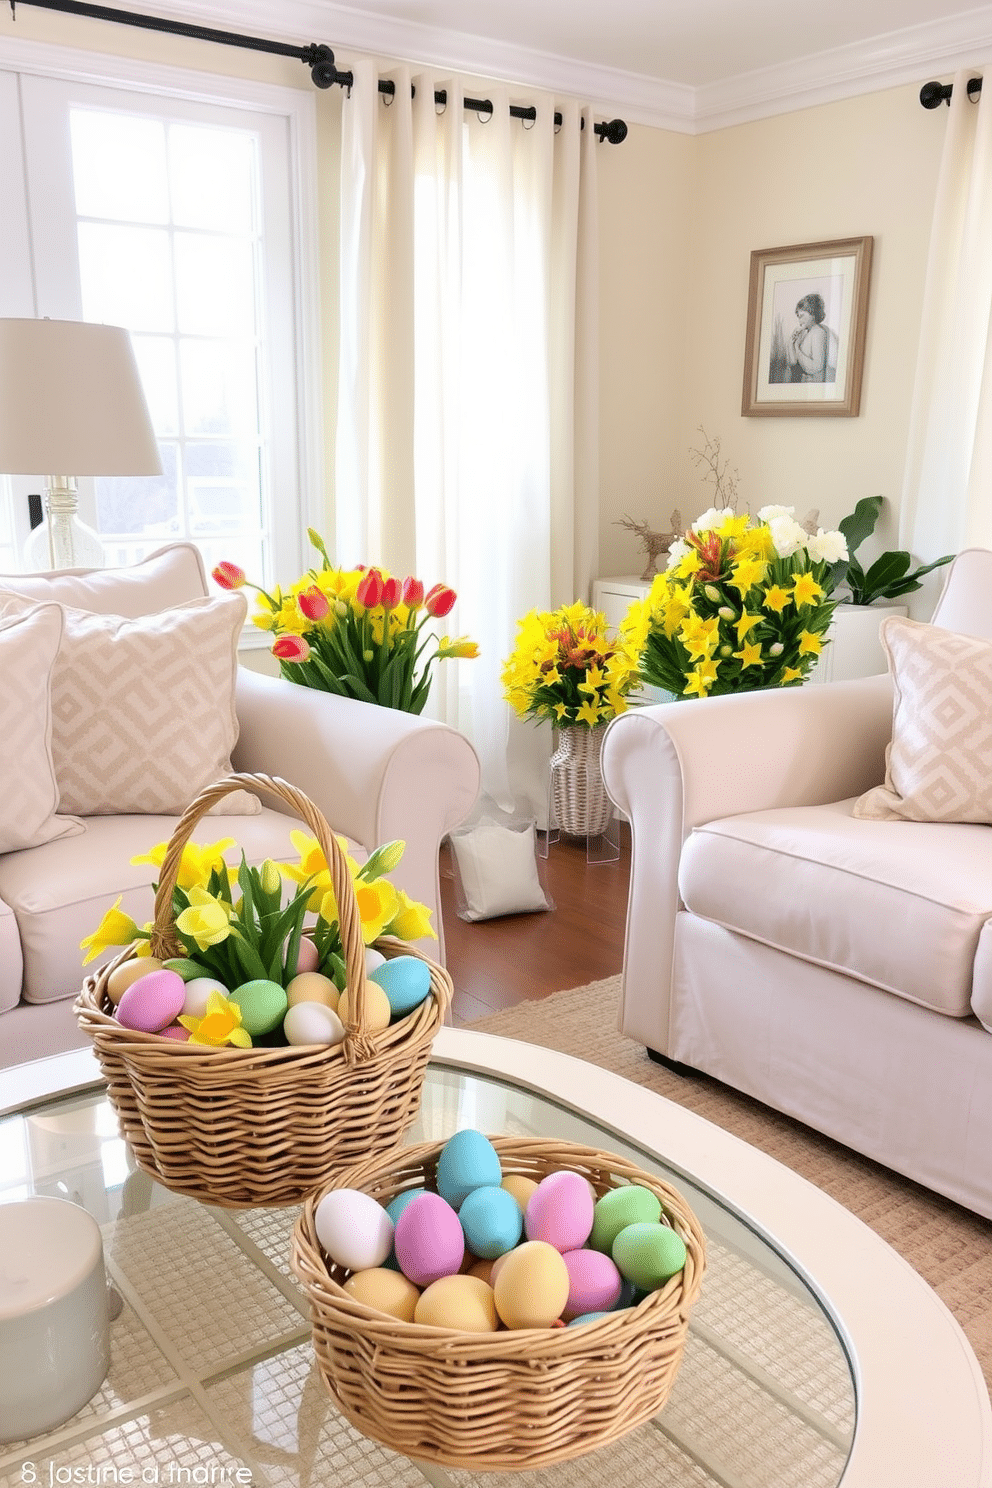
807	308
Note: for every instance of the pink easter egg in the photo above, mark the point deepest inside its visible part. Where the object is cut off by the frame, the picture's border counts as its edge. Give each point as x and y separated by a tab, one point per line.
308	959
176	1032
560	1211
429	1242
594	1283
152	1002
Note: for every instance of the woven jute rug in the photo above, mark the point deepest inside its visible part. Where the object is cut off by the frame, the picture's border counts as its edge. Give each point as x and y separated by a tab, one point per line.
949	1247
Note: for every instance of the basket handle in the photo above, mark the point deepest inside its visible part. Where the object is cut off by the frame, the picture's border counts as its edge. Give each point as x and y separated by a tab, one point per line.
358	1043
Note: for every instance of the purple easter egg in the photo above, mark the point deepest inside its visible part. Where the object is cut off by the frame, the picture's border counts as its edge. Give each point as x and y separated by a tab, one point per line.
429	1241
560	1211
152	1002
308	958
594	1283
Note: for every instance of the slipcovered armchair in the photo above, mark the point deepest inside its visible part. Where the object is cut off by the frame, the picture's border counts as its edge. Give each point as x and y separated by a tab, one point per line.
836	968
71	640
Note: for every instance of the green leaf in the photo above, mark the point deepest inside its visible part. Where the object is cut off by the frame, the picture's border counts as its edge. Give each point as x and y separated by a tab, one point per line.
860	523
884	573
251	962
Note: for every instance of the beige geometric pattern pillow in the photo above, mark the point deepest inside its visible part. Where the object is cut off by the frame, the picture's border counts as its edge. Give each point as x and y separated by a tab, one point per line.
938	764
143	714
29	644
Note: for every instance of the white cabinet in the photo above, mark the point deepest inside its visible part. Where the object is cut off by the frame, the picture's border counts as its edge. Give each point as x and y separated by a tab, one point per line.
855	649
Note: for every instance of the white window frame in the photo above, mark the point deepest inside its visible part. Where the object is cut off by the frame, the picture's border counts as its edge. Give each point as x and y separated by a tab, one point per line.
289	547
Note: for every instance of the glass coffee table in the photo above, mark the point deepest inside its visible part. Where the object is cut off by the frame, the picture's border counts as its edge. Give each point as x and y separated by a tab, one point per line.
816	1355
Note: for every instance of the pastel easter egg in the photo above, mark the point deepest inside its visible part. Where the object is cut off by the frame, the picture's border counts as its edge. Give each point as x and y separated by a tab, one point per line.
648	1254
520	1187
122	976
353	1228
263	1005
467	1160
152	1002
312	986
531	1286
373	960
394	1209
492	1221
560	1211
187	969
429	1242
176	1032
377	1010
197	995
308	956
482	1269
629	1204
406	981
312	1023
462	1302
595	1283
586	1317
386	1291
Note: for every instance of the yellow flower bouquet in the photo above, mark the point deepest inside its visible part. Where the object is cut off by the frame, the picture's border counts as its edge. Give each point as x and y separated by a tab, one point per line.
744	603
567	668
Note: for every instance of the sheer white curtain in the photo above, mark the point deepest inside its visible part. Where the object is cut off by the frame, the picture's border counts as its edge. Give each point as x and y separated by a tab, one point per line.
467	423
947	493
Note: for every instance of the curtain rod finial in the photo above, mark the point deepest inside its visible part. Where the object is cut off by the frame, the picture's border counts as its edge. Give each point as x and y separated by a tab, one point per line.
932	95
320	60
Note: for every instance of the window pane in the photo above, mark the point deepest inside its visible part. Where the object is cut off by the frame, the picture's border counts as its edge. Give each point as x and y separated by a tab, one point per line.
156	358
222	488
215	285
142	505
219	389
213	178
118	166
125	276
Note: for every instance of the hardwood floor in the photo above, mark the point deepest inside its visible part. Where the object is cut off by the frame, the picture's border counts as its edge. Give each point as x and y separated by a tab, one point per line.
497	963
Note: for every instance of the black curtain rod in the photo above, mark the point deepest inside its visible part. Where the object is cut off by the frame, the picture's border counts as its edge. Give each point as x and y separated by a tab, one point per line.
932	95
319	59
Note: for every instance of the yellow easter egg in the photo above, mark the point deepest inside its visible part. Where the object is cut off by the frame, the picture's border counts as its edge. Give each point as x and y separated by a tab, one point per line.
531	1288
482	1269
520	1187
129	971
313	986
377	1009
463	1302
386	1290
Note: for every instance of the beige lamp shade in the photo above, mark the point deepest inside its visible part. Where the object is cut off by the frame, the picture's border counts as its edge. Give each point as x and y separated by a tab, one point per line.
71	401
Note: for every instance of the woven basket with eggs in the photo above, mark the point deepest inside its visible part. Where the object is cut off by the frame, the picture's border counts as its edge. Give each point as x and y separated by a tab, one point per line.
246	1126
479	1396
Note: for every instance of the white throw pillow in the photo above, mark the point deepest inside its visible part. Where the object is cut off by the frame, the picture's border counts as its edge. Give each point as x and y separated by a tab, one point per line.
496	869
938	764
29	645
143	714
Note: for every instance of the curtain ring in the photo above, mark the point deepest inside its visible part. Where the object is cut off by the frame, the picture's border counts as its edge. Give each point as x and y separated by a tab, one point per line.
486	118
527	123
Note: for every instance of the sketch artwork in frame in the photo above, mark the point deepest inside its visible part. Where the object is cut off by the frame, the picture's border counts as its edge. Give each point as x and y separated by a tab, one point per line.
806	316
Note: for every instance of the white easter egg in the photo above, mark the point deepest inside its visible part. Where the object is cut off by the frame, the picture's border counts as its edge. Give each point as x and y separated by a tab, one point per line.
197	992
353	1228
312	1023
373	960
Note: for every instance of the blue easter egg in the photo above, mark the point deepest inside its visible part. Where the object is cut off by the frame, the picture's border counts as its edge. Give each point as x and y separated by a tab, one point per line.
492	1220
394	1209
406	981
587	1317
467	1160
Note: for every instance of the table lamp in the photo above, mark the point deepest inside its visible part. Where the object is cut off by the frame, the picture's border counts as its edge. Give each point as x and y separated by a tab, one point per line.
71	400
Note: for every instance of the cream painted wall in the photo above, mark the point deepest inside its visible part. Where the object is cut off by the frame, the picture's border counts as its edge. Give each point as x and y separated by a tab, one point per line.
863	167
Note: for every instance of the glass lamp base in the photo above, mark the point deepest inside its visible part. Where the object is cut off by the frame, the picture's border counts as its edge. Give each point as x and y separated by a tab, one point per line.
63	540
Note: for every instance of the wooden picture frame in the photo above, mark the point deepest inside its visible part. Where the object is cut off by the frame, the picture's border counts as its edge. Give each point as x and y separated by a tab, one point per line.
807	311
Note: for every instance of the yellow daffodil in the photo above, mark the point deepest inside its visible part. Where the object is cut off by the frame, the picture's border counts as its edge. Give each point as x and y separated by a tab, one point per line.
588	712
809	644
745	624
749	655
791	674
207	921
197	863
115	929
747	572
776	598
412	920
805	590
220	1024
378	905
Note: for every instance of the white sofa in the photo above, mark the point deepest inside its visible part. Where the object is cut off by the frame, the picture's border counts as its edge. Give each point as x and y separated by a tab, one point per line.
376	775
837	969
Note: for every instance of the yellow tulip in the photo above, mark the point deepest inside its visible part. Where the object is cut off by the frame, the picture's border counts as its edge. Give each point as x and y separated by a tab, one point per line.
115	929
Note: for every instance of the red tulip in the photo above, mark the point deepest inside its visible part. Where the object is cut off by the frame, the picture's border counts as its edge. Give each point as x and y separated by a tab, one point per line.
313	603
392	593
413	593
291	648
440	601
229	575
369	591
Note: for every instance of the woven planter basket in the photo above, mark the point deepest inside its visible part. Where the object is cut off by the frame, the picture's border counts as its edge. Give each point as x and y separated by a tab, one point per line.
581	806
512	1399
239	1127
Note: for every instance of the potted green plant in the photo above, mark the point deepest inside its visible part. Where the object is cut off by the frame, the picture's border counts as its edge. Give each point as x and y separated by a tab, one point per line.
865	596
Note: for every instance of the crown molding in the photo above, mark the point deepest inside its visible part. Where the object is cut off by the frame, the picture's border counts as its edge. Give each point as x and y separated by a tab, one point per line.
902	57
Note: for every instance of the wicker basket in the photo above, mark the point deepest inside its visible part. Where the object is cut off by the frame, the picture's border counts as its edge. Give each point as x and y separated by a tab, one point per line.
512	1399
240	1127
581	806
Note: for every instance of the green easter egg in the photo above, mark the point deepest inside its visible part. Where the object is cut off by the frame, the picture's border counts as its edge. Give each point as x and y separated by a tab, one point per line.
648	1254
187	969
263	1006
630	1204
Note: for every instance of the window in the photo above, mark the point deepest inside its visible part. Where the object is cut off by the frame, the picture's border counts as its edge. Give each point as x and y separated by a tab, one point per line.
178	219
